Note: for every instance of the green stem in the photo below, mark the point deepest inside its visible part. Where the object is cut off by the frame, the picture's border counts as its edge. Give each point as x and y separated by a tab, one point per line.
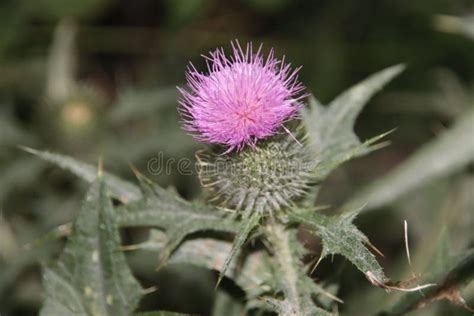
280	240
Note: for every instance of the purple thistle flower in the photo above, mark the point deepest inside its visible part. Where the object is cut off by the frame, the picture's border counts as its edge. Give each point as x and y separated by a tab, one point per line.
241	99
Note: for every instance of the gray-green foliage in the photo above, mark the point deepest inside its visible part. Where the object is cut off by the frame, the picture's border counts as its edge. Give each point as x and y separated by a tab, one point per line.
92	276
341	237
249	221
272	277
118	188
133	104
179	218
448	153
331	128
292	281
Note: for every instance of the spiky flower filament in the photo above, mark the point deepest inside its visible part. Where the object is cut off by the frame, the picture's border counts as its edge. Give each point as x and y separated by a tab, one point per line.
241	99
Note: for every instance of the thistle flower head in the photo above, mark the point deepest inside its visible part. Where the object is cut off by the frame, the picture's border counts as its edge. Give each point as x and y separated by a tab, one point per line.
266	179
241	99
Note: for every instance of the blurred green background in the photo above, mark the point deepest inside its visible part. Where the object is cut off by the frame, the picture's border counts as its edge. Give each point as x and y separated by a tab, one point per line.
97	78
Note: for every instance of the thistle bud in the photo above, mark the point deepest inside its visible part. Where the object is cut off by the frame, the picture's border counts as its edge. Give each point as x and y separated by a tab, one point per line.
266	178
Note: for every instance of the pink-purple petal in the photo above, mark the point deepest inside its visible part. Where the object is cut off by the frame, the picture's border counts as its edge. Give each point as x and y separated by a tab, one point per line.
241	99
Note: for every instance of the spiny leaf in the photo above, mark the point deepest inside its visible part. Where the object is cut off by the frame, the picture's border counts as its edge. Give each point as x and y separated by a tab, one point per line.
118	188
255	276
284	308
177	217
249	222
330	128
292	279
340	236
92	276
207	253
323	169
211	254
449	152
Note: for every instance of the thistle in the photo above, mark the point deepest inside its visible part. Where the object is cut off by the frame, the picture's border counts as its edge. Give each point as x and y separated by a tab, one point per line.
242	98
267	181
266	178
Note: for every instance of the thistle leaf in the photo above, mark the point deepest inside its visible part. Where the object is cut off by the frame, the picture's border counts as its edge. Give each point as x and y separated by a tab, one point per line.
297	287
206	253
429	163
255	276
117	188
210	254
331	128
92	276
249	222
340	236
284	308
177	217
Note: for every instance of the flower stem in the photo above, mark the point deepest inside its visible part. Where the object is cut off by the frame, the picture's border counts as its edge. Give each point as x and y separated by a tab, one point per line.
288	267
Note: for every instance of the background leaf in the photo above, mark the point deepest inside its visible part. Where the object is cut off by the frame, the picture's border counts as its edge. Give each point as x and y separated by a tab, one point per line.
118	188
449	281
134	104
331	128
449	152
92	276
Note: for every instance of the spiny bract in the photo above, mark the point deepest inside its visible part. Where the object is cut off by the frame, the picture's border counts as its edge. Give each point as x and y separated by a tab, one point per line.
241	99
267	178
